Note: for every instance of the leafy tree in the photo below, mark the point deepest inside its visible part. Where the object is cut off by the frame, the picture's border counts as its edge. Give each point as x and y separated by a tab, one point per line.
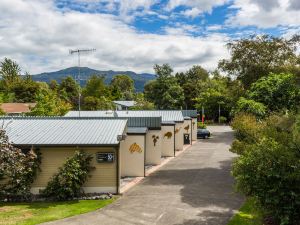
93	103
25	90
10	73
276	92
142	103
53	85
258	56
190	82
164	92
214	93
95	87
69	90
124	85
249	106
49	104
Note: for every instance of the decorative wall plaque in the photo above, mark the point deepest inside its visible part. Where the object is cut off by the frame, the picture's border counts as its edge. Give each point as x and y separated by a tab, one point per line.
177	130
155	138
168	135
187	128
135	148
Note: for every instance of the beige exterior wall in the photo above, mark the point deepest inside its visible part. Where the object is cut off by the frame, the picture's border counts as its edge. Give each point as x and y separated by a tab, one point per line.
132	156
194	130
103	177
153	153
187	124
167	140
179	136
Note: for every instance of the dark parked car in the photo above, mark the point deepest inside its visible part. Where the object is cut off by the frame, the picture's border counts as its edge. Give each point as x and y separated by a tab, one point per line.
203	133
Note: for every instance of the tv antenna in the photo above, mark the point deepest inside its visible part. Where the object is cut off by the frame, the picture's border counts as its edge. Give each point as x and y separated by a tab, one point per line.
79	52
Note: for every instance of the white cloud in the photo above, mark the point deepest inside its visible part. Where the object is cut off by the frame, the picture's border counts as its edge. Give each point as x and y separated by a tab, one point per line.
38	36
197	7
265	14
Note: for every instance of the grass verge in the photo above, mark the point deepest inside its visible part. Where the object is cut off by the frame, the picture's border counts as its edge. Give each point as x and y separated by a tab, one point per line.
248	214
39	212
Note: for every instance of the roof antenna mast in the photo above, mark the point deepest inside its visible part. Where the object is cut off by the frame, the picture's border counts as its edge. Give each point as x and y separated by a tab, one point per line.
79	52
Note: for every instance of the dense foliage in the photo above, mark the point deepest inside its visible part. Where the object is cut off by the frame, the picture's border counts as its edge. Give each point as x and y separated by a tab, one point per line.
269	164
255	57
17	170
67	182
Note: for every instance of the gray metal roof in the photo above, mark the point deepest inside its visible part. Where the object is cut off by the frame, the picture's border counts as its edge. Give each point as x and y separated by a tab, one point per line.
150	122
63	131
167	115
137	130
125	103
189	113
108	113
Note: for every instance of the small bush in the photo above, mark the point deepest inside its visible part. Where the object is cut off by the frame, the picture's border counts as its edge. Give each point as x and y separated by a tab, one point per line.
201	125
67	183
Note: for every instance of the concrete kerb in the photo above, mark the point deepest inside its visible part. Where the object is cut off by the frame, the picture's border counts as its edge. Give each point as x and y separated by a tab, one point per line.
137	180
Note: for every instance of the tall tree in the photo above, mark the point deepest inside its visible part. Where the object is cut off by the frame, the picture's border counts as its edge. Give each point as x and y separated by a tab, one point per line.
164	92
190	82
124	85
95	87
258	56
69	90
10	73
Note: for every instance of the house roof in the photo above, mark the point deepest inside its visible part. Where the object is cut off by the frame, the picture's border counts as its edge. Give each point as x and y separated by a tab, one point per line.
137	130
166	115
108	113
125	103
189	113
63	131
149	122
17	107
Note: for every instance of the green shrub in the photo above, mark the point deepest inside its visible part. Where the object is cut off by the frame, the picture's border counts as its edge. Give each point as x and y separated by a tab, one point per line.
67	182
247	131
201	125
18	170
270	172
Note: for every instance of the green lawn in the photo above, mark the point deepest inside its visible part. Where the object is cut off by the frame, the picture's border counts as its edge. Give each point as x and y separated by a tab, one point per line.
247	215
38	212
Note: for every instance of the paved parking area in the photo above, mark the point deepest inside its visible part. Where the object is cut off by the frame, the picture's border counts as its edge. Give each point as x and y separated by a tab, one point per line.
193	188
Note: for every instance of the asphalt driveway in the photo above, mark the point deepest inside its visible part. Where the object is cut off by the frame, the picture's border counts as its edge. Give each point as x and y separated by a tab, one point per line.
194	188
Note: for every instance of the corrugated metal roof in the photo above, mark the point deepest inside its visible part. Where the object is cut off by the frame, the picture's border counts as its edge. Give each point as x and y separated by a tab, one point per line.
137	130
63	131
143	121
125	103
167	115
108	113
190	113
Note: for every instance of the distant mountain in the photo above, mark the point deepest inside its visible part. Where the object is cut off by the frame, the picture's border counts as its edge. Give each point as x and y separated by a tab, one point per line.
139	79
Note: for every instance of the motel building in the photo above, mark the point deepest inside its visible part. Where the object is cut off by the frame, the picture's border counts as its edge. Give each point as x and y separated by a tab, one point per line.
122	143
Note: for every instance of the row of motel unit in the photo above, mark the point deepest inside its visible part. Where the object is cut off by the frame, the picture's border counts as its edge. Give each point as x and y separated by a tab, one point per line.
123	143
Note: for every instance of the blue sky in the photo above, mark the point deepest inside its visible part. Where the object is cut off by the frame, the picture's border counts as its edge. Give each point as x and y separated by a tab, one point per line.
136	34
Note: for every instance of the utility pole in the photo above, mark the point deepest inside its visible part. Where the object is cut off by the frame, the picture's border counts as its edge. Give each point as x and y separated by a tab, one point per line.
219	113
79	51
